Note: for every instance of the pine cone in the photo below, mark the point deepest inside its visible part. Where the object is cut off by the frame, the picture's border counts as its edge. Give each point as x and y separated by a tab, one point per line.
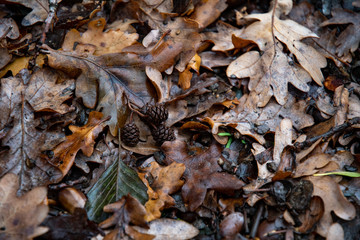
130	134
155	114
162	134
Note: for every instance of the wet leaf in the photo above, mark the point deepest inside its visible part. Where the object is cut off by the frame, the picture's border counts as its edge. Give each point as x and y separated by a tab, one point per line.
21	216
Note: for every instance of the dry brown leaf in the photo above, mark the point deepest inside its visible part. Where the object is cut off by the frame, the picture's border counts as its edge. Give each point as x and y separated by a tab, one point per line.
40	10
208	11
348	40
25	140
113	81
126	211
222	39
210	59
202	172
21	216
334	200
167	180
231	225
271	72
21	63
83	138
166	228
248	119
111	41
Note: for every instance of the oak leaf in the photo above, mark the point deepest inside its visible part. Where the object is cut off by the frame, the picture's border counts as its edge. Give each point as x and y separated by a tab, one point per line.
126	211
83	138
271	70
249	119
349	39
21	216
202	172
166	181
334	200
40	10
111	41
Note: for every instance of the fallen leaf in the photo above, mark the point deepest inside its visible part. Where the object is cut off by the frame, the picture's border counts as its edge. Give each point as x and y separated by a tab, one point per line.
231	225
111	41
71	227
20	96
207	11
222	39
117	181
166	181
40	10
89	70
126	211
21	216
166	228
202	172
348	40
271	72
83	138
311	215
334	200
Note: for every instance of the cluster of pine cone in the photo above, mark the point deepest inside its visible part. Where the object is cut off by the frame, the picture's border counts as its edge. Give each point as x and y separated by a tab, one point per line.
154	116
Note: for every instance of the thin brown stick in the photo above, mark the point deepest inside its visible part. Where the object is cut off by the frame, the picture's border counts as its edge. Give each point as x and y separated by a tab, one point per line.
340	128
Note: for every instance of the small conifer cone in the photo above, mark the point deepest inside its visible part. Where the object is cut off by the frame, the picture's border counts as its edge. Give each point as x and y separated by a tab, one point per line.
130	134
154	114
162	134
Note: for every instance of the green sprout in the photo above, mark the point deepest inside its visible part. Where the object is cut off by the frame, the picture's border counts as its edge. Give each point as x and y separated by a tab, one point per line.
346	174
224	134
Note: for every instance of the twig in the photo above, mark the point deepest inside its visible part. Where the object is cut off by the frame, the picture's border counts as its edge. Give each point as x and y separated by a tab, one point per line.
50	18
340	128
258	215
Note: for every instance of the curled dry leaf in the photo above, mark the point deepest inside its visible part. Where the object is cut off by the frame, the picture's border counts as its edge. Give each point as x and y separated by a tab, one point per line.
166	228
83	138
202	172
311	215
271	72
334	200
21	216
166	181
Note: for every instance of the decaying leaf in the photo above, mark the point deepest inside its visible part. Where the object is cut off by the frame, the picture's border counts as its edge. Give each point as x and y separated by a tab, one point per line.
202	172
88	71
271	71
348	40
40	10
166	181
24	140
334	200
83	138
126	211
20	217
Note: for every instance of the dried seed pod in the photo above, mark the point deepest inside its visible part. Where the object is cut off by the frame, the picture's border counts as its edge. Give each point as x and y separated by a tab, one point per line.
162	134
130	134
154	114
71	198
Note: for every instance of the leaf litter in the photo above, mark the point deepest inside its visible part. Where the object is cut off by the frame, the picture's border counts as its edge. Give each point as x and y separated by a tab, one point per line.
261	98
